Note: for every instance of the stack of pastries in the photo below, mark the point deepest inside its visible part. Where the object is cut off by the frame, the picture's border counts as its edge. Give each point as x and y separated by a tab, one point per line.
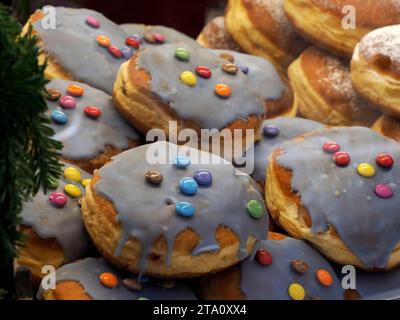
139	210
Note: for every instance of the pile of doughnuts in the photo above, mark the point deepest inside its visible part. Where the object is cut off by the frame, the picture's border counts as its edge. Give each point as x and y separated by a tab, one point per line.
139	213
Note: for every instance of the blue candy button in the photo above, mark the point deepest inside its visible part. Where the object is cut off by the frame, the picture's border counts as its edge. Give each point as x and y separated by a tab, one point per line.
182	162
203	177
126	52
185	209
188	186
59	117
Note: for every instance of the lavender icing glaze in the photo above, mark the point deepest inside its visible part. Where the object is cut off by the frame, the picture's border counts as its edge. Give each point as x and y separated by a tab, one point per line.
84	137
87	273
200	103
149	211
64	224
259	282
340	197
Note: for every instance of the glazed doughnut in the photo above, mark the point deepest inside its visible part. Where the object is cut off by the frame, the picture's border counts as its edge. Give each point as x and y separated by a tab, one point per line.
339	189
282	268
274	133
261	28
389	127
270	81
95	279
215	36
88	125
375	69
324	91
184	219
160	84
52	224
321	21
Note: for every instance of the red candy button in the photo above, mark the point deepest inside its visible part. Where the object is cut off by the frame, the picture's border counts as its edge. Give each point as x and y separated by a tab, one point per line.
203	72
115	52
331	147
92	112
342	159
131	41
385	160
264	257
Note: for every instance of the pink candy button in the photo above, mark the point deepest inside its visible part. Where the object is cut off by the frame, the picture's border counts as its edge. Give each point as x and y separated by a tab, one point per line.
67	102
384	191
58	199
93	22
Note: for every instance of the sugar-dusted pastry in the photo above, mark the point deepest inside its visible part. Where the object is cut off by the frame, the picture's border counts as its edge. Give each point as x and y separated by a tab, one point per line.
95	279
281	268
261	28
324	91
87	123
215	36
375	69
172	212
338	25
339	189
52	224
388	126
267	79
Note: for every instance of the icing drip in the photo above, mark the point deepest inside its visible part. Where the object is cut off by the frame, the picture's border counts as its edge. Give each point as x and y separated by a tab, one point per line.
149	211
82	136
271	282
340	197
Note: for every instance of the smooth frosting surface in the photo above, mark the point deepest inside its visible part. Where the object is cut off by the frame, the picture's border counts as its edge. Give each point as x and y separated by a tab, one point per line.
340	197
200	103
271	282
150	211
84	137
64	224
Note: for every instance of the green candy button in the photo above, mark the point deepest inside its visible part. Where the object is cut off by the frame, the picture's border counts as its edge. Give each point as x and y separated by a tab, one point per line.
52	183
182	54
255	209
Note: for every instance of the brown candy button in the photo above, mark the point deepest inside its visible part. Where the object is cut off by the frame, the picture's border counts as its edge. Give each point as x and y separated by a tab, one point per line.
154	177
230	68
149	38
52	94
299	266
167	284
351	294
132	284
227	56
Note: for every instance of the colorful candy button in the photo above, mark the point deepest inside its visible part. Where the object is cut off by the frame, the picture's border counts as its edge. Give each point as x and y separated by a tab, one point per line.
182	162
182	54
72	190
115	51
264	257
384	191
59	117
188	78
185	209
223	90
342	159
137	37
366	170
270	131
93	22
230	68
67	102
331	147
149	38
133	42
103	40
203	178
204	72
58	199
324	277
143	298
72	174
188	186
75	90
296	291
227	56
108	280
85	182
255	209
92	112
299	266
52	183
127	53
153	177
244	69
385	160
52	94
159	38
132	284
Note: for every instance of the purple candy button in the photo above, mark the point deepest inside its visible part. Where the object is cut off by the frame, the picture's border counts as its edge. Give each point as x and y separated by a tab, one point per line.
93	22
67	102
244	69
203	177
58	199
270	131
384	191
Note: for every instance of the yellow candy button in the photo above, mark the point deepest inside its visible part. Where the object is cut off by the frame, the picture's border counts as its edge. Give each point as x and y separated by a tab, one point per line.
188	78
72	174
85	182
72	191
366	170
296	291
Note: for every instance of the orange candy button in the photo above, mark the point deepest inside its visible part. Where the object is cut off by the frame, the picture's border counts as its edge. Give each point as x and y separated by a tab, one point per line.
223	90
108	280
324	277
104	41
75	90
